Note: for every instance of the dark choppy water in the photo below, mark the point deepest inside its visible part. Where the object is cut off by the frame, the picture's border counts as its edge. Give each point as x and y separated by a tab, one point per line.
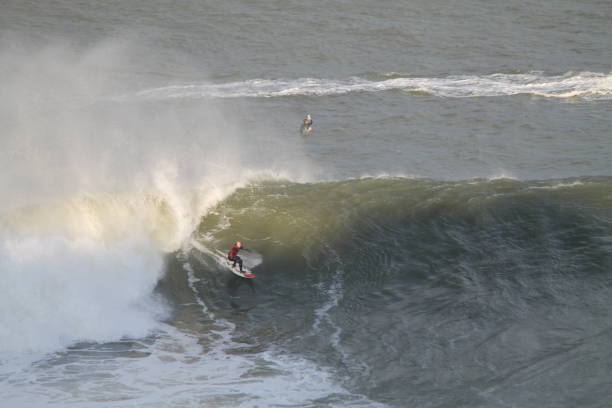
442	238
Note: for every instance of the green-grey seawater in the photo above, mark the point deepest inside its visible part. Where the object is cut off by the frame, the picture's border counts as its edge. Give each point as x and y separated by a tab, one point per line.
443	237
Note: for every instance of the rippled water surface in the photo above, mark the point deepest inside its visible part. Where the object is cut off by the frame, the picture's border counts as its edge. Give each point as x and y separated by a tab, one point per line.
441	239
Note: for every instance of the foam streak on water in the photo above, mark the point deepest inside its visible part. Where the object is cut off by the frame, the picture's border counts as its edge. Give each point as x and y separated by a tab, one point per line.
583	85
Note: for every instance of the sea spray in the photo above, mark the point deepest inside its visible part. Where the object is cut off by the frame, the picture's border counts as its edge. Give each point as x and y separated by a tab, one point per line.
96	191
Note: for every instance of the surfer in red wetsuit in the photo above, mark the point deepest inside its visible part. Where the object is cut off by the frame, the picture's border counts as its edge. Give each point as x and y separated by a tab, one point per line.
233	254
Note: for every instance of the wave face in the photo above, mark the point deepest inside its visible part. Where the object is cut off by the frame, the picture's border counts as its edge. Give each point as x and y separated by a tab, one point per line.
580	85
415	291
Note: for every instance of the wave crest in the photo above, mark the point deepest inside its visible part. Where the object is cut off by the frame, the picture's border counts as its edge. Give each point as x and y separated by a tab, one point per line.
582	85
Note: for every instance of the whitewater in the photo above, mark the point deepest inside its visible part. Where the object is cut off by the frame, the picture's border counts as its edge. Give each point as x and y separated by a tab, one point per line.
583	85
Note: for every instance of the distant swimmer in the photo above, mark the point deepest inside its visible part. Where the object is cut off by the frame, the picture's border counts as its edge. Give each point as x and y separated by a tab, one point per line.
233	254
306	127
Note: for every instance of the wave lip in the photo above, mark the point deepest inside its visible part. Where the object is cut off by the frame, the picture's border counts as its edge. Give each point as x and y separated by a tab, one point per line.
581	85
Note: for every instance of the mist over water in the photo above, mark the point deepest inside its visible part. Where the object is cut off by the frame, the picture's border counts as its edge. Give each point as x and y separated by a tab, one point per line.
441	239
66	135
90	185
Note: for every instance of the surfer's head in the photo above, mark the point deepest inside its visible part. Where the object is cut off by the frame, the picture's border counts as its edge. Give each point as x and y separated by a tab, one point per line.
238	244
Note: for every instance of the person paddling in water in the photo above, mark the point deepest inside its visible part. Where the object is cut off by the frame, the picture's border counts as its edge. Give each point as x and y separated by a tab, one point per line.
306	127
233	254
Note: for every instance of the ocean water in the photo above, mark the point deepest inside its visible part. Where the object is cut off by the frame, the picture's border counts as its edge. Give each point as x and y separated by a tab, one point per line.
443	238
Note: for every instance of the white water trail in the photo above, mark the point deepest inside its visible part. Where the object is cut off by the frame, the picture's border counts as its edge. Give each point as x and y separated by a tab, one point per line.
582	85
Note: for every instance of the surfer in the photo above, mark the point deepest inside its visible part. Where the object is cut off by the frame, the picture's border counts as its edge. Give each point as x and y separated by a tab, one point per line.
306	127
233	254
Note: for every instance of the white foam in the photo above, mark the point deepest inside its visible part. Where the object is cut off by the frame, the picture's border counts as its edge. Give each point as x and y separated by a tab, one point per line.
178	373
334	294
56	291
385	175
502	176
557	186
582	85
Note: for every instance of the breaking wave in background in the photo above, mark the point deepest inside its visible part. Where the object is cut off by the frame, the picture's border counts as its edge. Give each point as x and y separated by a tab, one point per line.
581	85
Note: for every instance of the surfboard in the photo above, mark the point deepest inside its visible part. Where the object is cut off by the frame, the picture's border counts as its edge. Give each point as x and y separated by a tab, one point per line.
245	274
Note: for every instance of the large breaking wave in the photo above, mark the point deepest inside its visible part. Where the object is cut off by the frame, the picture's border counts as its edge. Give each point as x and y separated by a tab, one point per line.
389	279
94	194
374	280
